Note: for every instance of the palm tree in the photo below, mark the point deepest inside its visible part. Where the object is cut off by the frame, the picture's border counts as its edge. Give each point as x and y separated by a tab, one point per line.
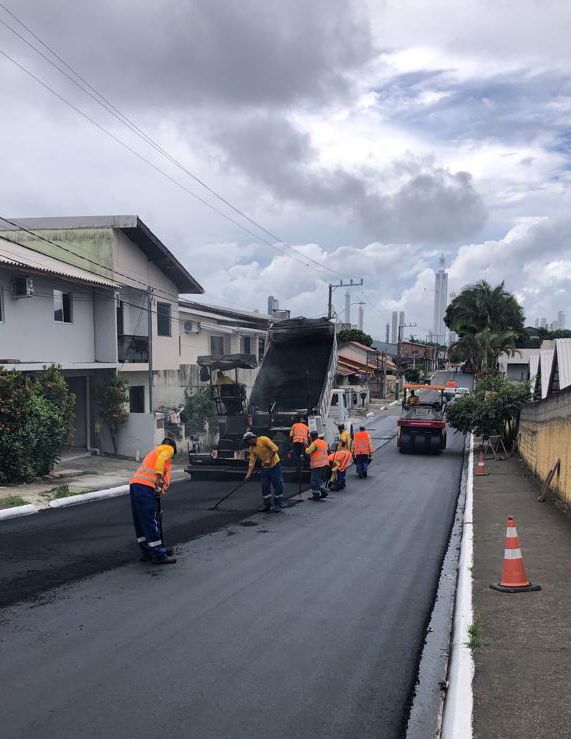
482	349
482	306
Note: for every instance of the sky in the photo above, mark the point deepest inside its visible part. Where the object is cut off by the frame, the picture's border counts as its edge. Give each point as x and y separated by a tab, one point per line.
362	139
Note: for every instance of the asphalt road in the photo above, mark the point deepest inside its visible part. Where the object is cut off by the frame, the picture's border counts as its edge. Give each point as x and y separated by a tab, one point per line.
307	624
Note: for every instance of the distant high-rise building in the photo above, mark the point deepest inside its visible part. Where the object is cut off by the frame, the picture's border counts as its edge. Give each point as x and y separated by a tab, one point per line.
537	323
361	316
273	304
440	302
543	323
560	320
394	327
387	333
400	336
348	307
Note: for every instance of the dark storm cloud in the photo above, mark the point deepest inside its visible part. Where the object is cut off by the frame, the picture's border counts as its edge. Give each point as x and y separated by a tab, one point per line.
429	204
188	53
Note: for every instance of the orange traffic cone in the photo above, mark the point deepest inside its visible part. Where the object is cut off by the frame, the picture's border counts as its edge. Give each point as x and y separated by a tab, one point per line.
481	467
514	577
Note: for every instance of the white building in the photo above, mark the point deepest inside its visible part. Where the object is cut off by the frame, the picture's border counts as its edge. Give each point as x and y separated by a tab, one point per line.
440	302
396	327
56	313
122	251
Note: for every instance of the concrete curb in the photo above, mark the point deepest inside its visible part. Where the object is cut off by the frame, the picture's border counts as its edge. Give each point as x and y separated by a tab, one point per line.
86	497
18	510
458	704
395	402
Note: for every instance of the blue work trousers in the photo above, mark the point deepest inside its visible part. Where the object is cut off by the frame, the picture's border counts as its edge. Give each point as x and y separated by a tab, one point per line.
362	463
144	508
319	478
272	478
340	481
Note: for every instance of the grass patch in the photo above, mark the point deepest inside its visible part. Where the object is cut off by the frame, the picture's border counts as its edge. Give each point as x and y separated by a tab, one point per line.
62	491
13	500
474	632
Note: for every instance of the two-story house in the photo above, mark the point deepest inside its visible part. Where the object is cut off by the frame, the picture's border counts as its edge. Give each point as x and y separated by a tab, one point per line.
53	312
124	252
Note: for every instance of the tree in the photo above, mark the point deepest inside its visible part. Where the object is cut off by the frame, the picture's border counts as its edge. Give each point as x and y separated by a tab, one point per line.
482	306
354	334
113	397
36	419
493	409
412	374
199	405
482	350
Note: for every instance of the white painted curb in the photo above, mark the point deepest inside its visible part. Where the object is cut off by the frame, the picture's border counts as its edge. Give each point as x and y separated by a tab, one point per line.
395	402
86	497
457	719
18	510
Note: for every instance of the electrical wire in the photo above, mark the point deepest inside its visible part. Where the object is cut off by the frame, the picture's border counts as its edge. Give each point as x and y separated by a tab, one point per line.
281	247
104	102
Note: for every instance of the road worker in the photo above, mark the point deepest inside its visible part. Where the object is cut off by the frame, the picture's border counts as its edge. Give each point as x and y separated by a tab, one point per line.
262	448
319	465
362	451
412	399
344	441
222	379
339	463
152	479
299	434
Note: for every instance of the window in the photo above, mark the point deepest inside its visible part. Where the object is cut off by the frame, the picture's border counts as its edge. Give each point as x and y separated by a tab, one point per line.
137	398
217	346
246	345
163	319
120	318
62	306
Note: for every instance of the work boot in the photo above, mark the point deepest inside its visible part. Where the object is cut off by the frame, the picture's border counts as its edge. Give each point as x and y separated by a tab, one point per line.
324	494
148	557
315	496
266	508
164	560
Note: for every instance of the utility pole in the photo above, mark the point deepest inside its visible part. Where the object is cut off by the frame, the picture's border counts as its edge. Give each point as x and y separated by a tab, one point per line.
332	287
150	330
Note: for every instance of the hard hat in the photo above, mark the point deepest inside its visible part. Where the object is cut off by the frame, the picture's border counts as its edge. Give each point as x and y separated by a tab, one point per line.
248	435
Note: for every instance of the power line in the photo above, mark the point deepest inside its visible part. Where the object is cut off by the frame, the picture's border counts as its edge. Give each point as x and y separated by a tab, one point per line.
111	108
107	105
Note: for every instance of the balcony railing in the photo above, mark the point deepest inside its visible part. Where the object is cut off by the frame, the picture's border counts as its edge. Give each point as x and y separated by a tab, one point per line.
133	348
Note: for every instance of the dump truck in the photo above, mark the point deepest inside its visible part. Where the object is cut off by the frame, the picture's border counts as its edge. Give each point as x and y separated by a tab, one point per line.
295	378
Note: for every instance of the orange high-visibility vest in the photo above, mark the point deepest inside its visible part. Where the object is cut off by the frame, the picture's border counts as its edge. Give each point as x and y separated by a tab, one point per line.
146	473
299	433
319	456
362	443
343	458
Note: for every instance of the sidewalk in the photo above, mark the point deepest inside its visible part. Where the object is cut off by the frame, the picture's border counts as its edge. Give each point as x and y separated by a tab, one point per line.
79	472
523	669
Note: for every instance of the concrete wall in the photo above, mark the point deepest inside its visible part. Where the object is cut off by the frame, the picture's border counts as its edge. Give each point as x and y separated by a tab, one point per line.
545	434
138	435
29	332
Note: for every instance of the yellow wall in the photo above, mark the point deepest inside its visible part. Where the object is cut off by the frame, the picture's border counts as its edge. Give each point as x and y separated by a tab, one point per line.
540	443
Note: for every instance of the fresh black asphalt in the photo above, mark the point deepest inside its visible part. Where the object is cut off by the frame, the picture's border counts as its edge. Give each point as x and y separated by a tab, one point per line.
306	624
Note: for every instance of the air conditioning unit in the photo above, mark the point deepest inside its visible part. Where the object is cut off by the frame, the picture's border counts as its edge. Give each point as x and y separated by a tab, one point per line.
191	327
22	287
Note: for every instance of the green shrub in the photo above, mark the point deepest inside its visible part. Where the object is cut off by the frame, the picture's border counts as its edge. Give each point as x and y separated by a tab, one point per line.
493	409
199	405
36	420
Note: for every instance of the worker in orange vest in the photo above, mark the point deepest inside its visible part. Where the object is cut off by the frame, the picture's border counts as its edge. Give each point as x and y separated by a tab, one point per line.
299	435
319	466
362	451
152	479
339	463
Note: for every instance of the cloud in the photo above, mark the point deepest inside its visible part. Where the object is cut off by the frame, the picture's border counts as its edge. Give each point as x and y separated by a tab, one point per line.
173	56
429	203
